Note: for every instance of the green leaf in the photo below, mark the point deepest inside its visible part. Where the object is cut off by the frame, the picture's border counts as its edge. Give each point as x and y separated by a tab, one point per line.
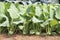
58	13
17	22
51	12
13	11
38	11
45	23
21	27
30	10
53	22
6	22
45	9
22	9
10	32
32	31
2	8
37	33
35	20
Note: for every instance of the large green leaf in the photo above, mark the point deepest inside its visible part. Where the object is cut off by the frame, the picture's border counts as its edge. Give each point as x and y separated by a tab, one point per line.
2	7
30	10
38	11
45	11
13	11
58	13
22	9
4	23
51	12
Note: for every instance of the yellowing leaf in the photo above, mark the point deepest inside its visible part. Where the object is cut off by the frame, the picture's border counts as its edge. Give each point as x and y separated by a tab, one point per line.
53	22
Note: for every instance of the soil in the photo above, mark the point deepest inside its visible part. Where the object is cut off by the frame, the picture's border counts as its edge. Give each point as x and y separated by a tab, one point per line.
27	37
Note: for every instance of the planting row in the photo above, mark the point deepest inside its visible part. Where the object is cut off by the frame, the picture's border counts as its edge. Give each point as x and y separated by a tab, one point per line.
29	19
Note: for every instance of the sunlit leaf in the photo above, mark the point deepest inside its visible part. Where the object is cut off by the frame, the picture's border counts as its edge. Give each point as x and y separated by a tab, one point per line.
53	22
35	20
13	11
58	13
6	22
21	27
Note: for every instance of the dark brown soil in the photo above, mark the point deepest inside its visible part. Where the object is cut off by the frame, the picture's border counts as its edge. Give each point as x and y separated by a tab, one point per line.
27	37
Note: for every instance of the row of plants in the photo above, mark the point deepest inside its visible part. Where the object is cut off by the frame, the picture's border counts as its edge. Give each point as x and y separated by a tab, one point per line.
29	19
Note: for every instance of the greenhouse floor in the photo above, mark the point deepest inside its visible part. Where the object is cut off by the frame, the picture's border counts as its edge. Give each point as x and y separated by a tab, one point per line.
26	37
